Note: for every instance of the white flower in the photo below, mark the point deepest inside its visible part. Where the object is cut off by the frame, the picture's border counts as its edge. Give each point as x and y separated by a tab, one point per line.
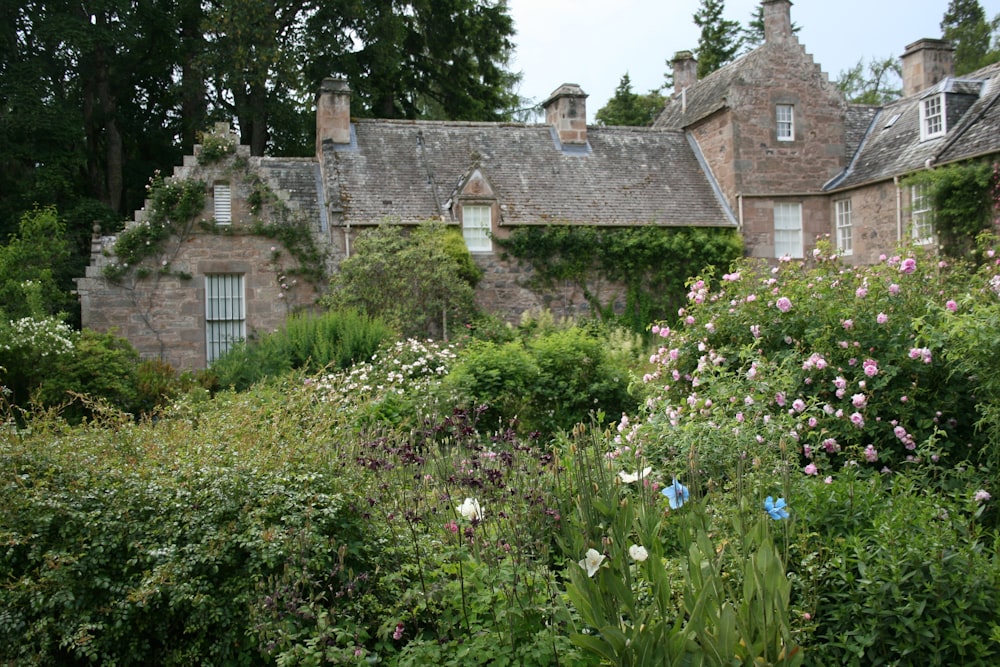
471	510
629	477
638	552
592	561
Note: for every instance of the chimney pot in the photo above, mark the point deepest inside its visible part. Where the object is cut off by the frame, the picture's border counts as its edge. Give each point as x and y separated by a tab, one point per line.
333	112
566	111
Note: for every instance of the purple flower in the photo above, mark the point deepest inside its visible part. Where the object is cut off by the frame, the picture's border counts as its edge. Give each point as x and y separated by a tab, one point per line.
859	400
871	455
784	304
881	318
857	419
951	305
871	367
811	469
798	405
981	496
909	265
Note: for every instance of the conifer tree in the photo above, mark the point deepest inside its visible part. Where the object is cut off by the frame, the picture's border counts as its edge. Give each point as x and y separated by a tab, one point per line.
630	108
720	39
965	26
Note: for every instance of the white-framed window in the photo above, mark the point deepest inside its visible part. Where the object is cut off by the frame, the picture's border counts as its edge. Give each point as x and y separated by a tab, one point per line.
788	230
225	313
845	231
477	221
921	215
785	122
932	118
222	196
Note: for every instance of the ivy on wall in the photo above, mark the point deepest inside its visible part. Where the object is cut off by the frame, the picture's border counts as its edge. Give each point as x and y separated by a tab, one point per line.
965	199
652	263
175	203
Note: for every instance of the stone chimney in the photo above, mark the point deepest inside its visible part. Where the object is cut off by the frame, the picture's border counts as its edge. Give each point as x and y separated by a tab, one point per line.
685	70
333	112
777	20
925	62
566	110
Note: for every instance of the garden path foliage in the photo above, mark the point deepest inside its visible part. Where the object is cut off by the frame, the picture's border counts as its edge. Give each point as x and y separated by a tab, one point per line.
801	470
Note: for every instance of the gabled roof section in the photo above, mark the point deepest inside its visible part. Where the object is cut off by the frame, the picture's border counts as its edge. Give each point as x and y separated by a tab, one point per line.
708	95
408	171
893	147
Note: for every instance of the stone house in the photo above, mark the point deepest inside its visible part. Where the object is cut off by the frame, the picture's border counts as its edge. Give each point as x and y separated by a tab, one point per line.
796	162
766	145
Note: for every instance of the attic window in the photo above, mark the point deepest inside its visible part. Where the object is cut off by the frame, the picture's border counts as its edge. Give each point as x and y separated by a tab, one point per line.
932	118
222	196
892	121
785	119
477	223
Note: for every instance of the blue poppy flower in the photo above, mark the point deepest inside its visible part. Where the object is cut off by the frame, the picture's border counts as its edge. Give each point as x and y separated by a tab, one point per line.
776	508
676	493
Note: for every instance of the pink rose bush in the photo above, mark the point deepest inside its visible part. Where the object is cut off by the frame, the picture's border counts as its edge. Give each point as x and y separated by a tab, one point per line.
856	361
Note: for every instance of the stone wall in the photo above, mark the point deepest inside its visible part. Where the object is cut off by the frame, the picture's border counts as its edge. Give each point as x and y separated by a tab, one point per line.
764	165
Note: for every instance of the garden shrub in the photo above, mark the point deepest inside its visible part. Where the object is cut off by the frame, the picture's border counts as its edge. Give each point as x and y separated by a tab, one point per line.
839	364
550	380
893	575
308	341
416	279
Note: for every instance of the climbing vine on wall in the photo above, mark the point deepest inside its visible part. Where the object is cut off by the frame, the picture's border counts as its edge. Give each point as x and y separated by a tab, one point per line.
965	199
173	206
652	263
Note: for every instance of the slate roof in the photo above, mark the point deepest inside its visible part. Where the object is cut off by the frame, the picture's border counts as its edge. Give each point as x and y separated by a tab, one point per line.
707	95
409	171
892	146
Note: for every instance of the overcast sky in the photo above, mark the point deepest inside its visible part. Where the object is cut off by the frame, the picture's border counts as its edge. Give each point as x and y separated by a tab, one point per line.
594	42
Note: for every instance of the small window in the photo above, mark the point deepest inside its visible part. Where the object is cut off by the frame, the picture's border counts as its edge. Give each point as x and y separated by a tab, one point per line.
225	313
785	117
921	215
223	204
788	230
932	119
476	225
845	232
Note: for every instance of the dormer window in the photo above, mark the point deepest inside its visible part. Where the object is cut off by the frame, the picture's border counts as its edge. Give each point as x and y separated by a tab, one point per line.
223	206
785	122
932	118
477	223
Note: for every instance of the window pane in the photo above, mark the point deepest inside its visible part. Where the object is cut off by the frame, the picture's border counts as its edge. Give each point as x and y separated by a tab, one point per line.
921	215
476	225
932	115
788	230
225	313
845	232
785	116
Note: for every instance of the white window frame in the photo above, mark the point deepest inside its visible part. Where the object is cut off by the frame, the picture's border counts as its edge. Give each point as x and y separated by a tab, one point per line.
933	122
788	230
784	118
921	215
477	225
225	313
844	225
222	196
